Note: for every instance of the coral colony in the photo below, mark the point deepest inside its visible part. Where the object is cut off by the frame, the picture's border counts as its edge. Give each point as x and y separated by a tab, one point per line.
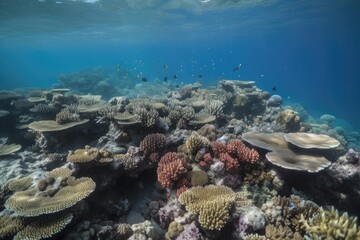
225	162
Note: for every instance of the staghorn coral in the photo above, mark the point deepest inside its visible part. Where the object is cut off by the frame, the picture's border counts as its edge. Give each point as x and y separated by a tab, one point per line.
28	203
330	225
45	226
67	115
10	226
212	203
20	184
170	169
152	143
195	142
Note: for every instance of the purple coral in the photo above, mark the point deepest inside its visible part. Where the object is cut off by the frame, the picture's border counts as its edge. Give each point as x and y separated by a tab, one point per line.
191	232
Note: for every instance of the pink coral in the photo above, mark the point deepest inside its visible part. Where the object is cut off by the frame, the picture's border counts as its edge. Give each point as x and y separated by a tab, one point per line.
239	150
206	162
218	148
170	169
231	164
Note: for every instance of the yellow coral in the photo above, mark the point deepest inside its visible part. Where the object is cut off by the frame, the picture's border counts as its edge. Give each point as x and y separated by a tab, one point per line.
60	173
8	149
10	225
84	155
174	230
330	225
20	184
44	226
28	203
212	203
196	142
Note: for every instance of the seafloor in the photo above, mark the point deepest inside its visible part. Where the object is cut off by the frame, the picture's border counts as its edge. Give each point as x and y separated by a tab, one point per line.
223	162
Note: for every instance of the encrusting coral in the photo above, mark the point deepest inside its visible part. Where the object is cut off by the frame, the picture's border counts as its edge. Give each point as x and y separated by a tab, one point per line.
212	203
174	230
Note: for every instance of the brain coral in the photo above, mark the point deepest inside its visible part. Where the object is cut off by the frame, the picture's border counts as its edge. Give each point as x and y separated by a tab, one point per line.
212	203
28	203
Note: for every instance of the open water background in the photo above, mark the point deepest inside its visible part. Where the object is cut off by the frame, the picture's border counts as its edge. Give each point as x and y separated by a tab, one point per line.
308	50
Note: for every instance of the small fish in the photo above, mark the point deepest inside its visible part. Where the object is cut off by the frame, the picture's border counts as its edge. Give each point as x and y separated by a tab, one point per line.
274	88
165	79
144	79
200	76
262	75
166	66
175	76
237	67
177	85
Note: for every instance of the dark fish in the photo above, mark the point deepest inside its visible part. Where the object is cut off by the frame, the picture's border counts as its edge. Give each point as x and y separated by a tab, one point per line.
237	67
166	66
144	79
165	79
177	85
274	88
200	76
175	76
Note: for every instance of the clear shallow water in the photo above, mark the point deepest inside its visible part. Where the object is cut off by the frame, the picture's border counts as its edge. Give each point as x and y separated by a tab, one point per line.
308	50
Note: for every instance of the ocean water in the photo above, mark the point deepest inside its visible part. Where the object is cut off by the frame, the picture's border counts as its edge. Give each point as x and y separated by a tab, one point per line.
308	50
131	166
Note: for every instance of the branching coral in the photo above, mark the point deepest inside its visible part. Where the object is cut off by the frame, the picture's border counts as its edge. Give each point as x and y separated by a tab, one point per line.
330	225
170	169
67	116
212	203
152	143
195	142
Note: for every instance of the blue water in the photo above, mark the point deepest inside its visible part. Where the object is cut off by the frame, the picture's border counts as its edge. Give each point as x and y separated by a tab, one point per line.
308	50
